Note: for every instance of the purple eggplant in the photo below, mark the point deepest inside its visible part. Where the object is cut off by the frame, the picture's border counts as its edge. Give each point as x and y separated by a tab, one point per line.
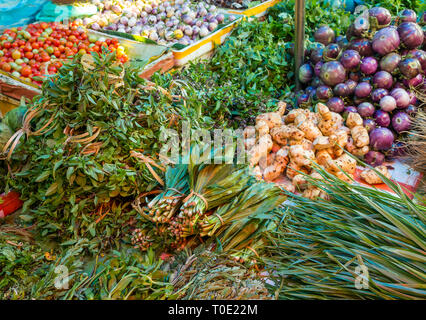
378	94
390	62
363	90
401	121
366	109
369	124
410	67
331	52
350	59
402	98
368	65
363	46
419	55
382	15
317	68
383	79
381	139
413	82
407	15
387	103
336	104
316	55
386	40
341	90
324	35
324	93
306	73
411	34
374	158
351	84
332	73
382	118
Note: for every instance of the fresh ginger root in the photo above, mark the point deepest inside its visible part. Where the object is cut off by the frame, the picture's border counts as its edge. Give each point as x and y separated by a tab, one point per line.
371	177
360	136
282	133
272	119
294	141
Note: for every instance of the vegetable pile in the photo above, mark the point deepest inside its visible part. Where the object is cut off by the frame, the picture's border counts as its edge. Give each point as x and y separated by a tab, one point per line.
166	23
361	243
39	49
373	70
283	149
73	168
235	4
205	200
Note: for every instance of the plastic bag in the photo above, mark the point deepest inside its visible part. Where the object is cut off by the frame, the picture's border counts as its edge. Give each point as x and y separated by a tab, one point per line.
16	13
52	12
10	123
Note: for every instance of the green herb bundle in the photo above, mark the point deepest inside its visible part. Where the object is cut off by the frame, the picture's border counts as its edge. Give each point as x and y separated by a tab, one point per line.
164	206
260	197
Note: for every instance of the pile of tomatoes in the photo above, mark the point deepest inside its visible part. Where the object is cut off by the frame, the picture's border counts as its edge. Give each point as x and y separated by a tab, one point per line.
32	52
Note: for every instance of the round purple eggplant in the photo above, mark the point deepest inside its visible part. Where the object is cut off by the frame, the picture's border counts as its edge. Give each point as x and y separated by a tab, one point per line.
332	73
350	59
383	79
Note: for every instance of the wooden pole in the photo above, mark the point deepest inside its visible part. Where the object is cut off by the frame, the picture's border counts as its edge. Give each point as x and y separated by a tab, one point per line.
299	51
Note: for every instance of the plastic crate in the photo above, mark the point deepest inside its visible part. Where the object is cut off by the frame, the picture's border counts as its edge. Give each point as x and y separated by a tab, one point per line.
256	11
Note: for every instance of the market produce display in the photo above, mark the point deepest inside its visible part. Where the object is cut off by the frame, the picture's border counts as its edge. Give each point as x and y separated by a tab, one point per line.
235	4
85	182
77	147
39	49
372	71
357	227
205	200
164	22
286	148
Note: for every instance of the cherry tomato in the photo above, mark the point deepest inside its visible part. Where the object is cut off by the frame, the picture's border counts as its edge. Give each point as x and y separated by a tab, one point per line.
6	67
26	71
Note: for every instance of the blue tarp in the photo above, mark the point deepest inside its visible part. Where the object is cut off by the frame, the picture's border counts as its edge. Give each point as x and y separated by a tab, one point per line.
16	13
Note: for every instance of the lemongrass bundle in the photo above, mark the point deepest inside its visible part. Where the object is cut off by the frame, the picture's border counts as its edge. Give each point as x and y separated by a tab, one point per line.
214	186
362	243
163	207
259	198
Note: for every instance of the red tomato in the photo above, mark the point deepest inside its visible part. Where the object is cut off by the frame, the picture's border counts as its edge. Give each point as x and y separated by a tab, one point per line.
29	55
35	45
16	55
26	71
44	25
6	67
7	45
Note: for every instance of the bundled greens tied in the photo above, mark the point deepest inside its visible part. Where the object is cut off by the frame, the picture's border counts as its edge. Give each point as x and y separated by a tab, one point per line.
205	200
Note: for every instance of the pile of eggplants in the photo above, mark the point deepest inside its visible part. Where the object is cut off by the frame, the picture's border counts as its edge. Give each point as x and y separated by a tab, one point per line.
373	69
165	22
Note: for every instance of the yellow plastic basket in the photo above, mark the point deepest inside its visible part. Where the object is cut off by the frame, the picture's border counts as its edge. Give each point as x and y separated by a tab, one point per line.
203	46
257	11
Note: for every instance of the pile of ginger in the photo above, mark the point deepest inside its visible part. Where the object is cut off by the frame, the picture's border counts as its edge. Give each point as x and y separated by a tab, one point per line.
281	145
